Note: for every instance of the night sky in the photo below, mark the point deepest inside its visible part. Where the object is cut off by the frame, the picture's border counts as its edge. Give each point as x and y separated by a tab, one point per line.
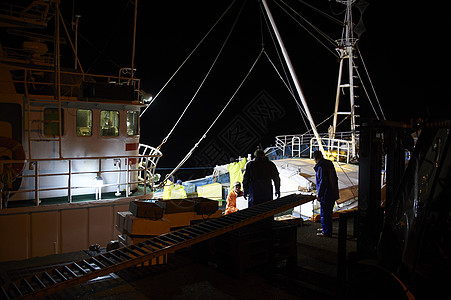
168	31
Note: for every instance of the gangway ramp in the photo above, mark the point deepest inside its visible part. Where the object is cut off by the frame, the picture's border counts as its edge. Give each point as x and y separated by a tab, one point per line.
75	273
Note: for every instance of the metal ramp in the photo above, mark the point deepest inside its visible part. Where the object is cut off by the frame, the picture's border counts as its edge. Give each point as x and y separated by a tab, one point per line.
75	273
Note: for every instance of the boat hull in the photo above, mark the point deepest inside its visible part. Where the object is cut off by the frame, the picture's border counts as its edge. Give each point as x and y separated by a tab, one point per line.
43	230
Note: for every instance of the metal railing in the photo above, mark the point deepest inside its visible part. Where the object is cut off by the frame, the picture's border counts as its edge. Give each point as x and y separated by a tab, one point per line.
294	142
337	149
31	81
38	12
76	179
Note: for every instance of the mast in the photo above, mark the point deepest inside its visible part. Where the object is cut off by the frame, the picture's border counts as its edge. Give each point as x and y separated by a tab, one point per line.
294	77
345	50
134	41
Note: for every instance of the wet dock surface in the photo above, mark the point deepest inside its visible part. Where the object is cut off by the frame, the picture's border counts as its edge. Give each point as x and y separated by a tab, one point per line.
188	275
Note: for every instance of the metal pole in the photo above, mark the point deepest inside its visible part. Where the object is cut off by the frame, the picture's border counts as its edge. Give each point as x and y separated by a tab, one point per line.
349	49
134	41
294	77
77	17
337	97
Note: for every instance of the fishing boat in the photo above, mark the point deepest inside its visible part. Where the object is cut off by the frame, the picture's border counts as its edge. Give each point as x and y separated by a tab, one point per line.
292	153
70	147
72	156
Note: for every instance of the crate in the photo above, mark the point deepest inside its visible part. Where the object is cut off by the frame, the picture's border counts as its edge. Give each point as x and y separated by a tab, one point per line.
145	209
120	220
176	205
202	206
145	226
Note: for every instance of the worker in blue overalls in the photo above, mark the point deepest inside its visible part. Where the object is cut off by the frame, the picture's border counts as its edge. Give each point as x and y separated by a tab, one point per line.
327	191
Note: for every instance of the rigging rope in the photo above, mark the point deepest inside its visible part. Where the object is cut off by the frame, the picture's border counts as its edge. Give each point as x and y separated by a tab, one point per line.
352	187
271	34
211	126
300	108
330	40
203	81
322	13
366	93
108	42
188	57
371	83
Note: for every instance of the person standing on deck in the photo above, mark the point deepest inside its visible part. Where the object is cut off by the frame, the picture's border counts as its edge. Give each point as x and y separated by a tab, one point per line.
327	191
168	186
178	192
257	179
235	172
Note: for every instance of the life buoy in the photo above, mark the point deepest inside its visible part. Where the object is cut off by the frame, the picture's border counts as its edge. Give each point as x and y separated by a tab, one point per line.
18	153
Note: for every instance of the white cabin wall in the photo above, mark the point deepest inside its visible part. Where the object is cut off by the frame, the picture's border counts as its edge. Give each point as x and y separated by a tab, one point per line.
74	146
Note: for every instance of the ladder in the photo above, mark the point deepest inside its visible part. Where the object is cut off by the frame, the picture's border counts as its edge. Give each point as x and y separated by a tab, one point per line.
345	49
75	273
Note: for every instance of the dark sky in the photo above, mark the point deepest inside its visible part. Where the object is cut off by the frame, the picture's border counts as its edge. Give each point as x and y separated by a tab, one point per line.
168	31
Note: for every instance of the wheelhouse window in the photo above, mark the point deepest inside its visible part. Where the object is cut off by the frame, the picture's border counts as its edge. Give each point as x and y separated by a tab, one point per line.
84	122
51	122
109	123
132	123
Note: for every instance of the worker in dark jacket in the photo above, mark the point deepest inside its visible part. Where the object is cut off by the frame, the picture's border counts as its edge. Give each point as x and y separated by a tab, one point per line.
257	183
326	189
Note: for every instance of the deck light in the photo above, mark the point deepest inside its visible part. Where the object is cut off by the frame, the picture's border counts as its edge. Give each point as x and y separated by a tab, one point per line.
97	183
145	96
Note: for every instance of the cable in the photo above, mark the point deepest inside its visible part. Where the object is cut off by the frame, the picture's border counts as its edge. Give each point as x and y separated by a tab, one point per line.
330	40
211	126
371	83
203	81
186	59
367	95
301	110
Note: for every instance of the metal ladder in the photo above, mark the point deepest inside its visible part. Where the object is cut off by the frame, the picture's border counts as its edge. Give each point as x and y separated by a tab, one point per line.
75	273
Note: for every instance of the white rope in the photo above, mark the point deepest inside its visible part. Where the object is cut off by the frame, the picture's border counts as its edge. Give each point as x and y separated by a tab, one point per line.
330	40
203	81
371	83
367	95
352	188
186	59
271	34
300	108
322	13
211	126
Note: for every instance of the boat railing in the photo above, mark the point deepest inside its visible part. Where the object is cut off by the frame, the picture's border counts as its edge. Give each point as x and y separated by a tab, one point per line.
31	81
19	54
336	149
297	145
37	11
106	167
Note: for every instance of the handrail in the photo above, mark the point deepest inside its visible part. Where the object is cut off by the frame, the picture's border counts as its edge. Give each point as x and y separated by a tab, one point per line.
296	140
331	145
147	165
33	85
